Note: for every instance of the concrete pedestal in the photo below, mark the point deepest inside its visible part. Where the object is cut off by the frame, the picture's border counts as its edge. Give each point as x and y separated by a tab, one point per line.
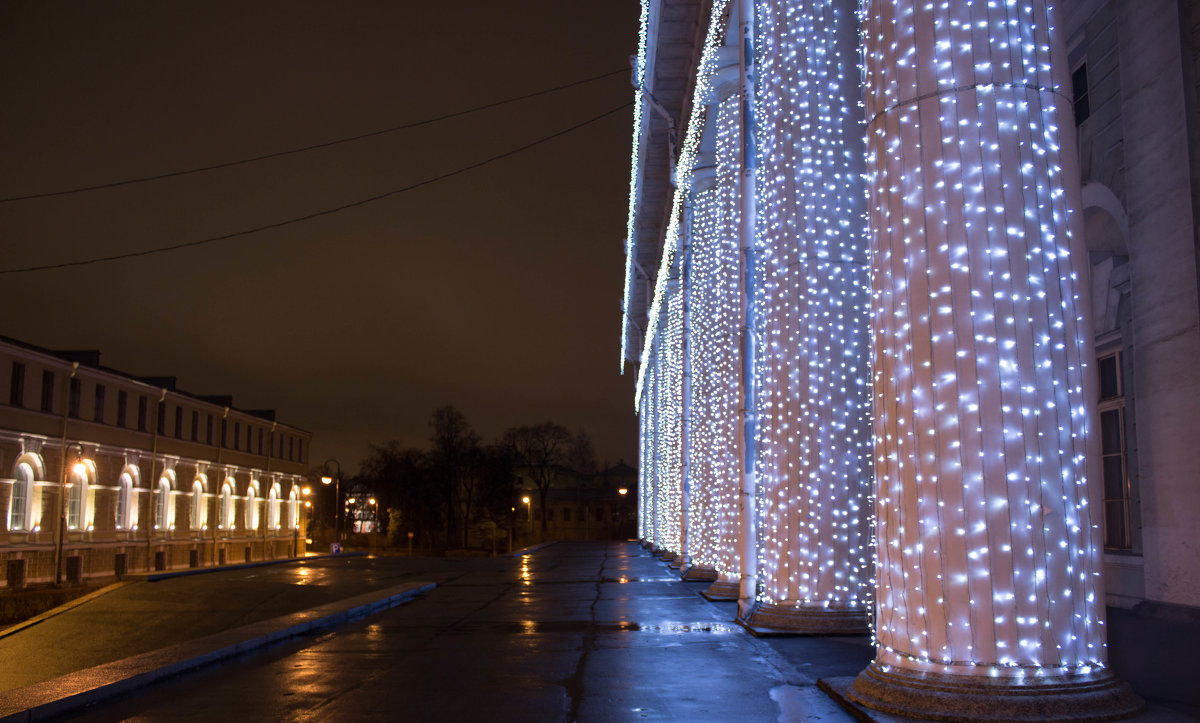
1096	696
772	619
722	590
700	573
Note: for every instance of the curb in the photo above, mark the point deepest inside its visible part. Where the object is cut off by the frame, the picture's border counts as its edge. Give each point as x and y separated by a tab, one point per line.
157	576
68	605
73	691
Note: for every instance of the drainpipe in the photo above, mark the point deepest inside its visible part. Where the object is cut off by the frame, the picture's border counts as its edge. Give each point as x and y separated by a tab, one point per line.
62	488
153	458
748	589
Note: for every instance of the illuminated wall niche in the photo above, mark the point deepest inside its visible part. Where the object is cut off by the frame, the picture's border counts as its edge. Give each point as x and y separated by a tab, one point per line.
813	438
988	555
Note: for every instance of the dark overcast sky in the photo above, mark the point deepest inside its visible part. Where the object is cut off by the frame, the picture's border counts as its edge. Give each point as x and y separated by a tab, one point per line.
497	291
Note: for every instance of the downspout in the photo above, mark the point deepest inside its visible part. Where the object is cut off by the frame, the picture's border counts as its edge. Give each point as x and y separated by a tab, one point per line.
748	590
62	488
153	457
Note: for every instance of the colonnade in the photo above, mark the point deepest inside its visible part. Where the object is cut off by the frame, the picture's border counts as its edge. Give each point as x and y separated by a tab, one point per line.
866	392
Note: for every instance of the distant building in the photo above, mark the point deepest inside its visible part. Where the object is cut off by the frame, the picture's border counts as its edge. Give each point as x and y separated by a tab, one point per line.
582	506
103	473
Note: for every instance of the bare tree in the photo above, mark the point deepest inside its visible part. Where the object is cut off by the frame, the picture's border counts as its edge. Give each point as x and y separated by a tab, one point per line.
542	450
581	457
454	445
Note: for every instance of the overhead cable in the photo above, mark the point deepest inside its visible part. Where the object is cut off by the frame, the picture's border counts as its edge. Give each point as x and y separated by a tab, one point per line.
324	212
315	146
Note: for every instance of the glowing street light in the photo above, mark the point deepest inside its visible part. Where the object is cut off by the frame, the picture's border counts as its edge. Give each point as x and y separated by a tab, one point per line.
336	479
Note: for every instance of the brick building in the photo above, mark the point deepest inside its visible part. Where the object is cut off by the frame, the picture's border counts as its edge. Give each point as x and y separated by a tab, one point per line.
103	473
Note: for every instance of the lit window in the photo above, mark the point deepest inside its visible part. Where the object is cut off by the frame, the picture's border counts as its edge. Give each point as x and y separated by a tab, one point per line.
251	508
19	500
162	504
197	505
225	515
273	507
77	497
124	499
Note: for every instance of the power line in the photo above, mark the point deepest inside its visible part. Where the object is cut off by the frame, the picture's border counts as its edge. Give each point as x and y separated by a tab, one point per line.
326	144
325	212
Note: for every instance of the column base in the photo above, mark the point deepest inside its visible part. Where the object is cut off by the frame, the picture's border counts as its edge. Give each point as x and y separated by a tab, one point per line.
769	619
722	591
1096	696
665	555
700	573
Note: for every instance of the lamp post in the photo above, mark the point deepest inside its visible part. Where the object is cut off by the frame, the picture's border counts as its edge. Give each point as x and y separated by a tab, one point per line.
336	479
528	513
77	470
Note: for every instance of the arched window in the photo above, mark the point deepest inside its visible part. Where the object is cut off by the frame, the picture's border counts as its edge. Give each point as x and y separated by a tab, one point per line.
77	496
20	501
197	505
273	507
225	514
293	510
124	501
251	507
162	504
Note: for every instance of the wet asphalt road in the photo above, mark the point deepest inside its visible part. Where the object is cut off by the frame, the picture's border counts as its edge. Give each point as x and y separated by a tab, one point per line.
574	631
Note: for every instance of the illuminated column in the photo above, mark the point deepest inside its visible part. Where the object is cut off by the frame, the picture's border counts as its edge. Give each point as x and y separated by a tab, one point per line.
716	338
813	439
989	559
670	416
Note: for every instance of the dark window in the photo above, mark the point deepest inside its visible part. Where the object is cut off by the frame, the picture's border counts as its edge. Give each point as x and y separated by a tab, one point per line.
260	440
74	392
299	450
566	514
122	406
178	422
599	514
98	412
47	391
160	416
249	435
291	447
143	413
1113	458
237	435
549	514
16	392
224	432
208	430
1079	85
195	426
280	455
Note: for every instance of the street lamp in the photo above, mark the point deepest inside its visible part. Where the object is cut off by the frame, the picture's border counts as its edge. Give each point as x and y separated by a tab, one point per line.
528	513
336	479
78	470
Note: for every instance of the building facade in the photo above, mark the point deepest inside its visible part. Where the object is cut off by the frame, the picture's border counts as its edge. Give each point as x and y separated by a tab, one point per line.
998	202
104	473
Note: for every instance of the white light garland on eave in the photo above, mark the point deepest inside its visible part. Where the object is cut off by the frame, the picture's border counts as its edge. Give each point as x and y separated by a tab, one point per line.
635	175
684	168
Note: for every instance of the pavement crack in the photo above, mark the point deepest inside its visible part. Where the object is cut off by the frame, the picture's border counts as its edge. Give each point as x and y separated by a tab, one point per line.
574	683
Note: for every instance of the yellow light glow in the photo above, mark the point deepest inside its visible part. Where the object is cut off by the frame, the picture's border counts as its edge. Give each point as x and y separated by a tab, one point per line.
326	480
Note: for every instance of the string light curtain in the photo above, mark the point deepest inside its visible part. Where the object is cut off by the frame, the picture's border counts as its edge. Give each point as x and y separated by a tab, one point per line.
670	421
814	435
714	462
989	557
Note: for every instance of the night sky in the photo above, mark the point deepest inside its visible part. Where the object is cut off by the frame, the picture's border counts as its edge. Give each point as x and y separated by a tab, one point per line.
497	291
